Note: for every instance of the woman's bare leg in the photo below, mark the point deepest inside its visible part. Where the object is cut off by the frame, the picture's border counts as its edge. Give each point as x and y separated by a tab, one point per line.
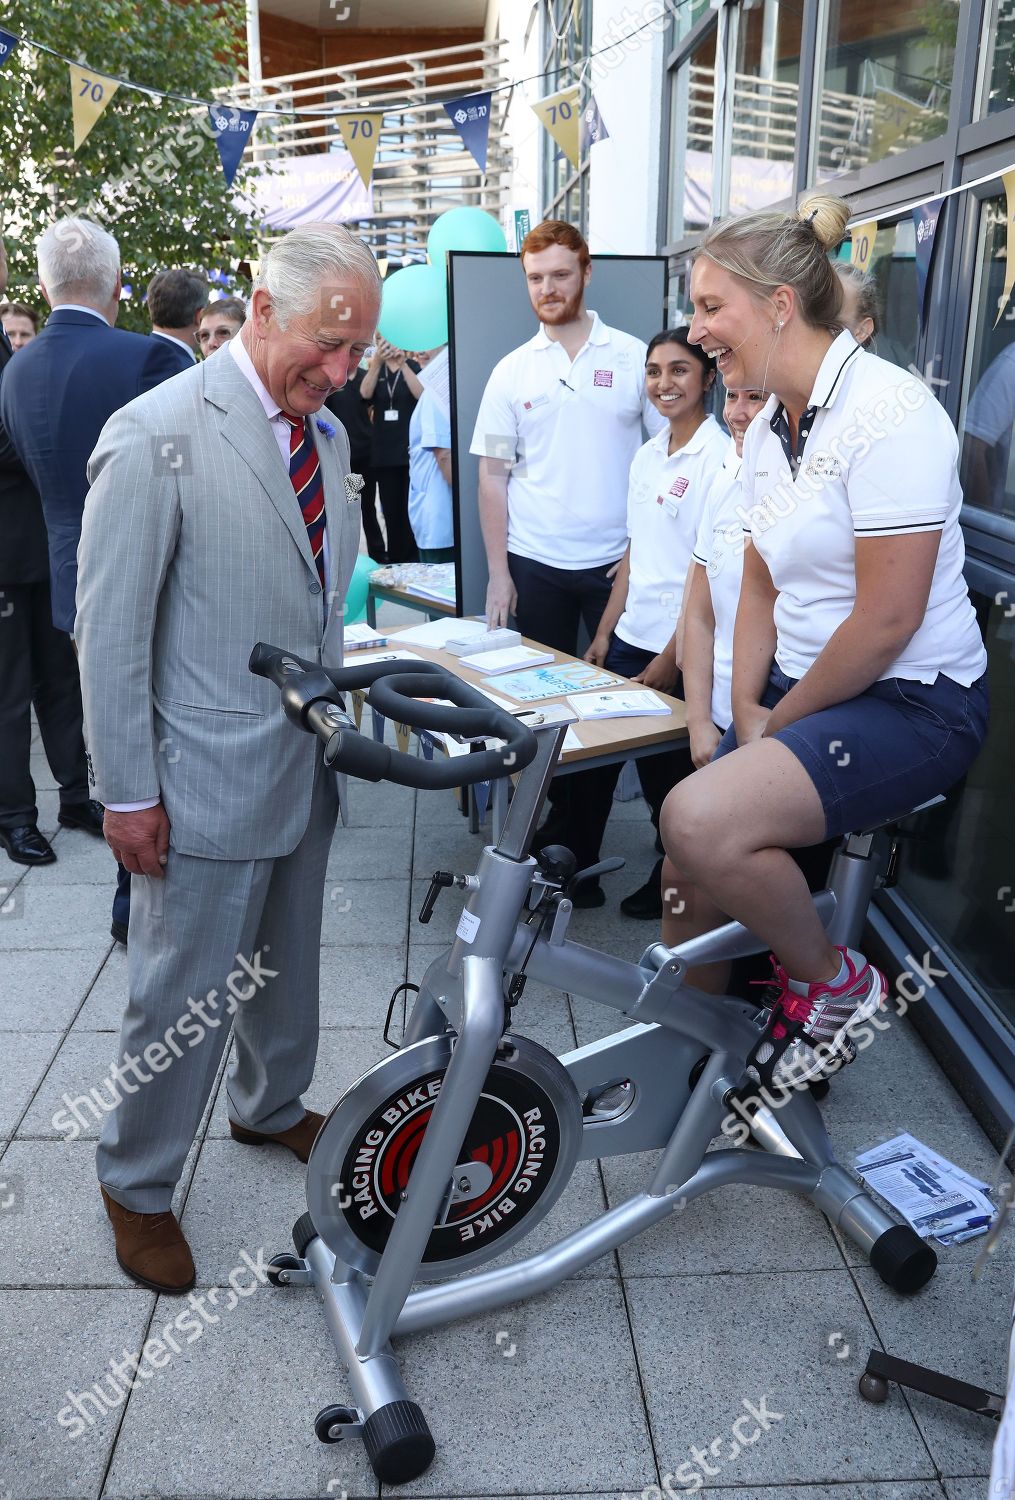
687	913
728	828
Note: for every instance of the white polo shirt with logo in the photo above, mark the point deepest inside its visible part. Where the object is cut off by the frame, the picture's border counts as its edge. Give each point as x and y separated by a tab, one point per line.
719	548
665	498
877	456
571	429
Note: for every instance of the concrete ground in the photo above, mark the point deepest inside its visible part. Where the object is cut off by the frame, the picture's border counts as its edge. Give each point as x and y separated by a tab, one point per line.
609	1385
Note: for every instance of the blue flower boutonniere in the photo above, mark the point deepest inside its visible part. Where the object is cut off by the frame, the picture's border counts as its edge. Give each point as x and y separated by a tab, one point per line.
325	428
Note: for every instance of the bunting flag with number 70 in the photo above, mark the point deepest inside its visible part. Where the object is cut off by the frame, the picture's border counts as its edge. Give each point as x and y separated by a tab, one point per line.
90	93
361	132
561	116
232	128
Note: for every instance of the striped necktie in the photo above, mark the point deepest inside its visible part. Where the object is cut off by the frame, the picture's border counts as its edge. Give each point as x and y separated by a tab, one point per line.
305	473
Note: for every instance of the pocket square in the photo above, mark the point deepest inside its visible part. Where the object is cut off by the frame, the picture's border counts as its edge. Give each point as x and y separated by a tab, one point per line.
353	484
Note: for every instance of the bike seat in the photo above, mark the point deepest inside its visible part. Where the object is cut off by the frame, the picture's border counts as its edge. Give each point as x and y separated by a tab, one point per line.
869	828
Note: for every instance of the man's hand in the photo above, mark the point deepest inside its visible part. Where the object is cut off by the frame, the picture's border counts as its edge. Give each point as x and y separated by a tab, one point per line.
139	840
501	600
596	654
704	742
660	673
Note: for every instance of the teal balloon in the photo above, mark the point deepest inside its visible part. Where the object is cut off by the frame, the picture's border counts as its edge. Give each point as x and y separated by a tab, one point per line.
414	308
356	593
464	229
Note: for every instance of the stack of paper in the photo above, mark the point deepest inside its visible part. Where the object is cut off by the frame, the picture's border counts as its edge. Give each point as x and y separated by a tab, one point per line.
933	1195
510	659
629	705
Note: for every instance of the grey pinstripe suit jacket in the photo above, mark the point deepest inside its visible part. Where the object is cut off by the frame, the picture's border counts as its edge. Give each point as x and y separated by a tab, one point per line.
189	554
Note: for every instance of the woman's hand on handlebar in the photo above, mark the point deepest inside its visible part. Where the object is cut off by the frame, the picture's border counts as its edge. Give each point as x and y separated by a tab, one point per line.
139	840
705	739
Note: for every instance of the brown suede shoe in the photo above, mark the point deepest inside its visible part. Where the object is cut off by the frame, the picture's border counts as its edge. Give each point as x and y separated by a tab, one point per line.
151	1248
298	1138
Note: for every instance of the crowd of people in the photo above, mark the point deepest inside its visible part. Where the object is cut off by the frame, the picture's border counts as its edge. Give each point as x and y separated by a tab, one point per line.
799	584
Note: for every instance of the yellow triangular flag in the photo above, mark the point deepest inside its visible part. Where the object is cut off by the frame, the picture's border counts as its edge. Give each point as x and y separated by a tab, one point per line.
561	116
862	247
402	737
1008	178
90	93
361	132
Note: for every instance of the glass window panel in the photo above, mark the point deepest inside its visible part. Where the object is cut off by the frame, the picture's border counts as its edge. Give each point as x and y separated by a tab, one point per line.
997	57
687	17
893	269
885	80
988	387
692	90
765	106
955	871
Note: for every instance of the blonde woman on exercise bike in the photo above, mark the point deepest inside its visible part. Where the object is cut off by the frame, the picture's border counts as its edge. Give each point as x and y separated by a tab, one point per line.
859	683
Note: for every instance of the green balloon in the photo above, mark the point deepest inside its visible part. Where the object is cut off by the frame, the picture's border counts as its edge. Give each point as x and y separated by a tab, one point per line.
464	229
414	308
356	593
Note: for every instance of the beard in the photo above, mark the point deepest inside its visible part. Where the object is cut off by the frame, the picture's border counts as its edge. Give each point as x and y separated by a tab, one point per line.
562	312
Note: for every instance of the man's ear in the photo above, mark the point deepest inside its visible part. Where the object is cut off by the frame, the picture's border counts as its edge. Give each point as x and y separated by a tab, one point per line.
261	312
42	289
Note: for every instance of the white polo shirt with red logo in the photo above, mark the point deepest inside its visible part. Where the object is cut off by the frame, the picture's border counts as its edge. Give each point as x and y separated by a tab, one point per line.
571	429
665	499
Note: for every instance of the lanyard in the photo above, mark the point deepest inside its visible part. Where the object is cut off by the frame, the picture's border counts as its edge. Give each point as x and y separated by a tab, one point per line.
391	386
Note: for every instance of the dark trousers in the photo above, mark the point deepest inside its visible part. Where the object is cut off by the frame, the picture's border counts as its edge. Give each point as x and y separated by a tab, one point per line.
393	483
553	603
592	791
37	666
371	525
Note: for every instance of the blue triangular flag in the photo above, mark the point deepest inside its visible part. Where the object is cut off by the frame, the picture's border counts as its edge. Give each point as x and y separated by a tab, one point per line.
592	128
7	45
470	116
232	128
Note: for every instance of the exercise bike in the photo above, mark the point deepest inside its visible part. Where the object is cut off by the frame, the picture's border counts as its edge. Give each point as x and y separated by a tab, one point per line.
455	1146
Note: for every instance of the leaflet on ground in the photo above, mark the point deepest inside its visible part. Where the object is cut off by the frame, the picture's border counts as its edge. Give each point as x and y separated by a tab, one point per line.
934	1196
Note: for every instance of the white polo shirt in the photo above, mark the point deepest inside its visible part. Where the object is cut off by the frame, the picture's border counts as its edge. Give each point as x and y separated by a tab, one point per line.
877	457
719	548
571	428
665	498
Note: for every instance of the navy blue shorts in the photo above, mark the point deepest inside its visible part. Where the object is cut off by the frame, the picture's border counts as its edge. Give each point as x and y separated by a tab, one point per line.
884	752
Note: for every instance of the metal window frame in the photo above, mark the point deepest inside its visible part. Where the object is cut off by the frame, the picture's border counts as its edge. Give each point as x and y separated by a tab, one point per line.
552	197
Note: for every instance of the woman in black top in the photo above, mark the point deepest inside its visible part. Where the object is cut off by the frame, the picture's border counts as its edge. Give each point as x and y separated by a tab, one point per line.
354	414
390	389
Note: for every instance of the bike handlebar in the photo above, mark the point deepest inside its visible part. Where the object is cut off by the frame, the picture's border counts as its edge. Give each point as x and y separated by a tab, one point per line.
310	698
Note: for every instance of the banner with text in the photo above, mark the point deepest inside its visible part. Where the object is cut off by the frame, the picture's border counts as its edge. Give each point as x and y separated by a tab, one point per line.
471	118
90	93
361	132
559	113
593	127
233	128
925	219
324	188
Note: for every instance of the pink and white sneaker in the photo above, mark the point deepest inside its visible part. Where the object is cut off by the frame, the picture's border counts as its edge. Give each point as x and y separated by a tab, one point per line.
827	1014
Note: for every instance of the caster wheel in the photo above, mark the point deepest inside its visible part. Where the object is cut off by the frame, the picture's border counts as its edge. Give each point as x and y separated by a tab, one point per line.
280	1263
332	1423
872	1388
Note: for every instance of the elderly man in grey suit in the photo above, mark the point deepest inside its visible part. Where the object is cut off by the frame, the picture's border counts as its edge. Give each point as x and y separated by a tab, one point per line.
221	512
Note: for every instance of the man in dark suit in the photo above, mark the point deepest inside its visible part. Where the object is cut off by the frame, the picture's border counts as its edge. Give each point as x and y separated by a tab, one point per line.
176	300
59	393
37	665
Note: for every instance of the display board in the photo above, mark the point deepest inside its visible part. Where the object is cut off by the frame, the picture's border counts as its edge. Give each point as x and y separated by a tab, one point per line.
489	315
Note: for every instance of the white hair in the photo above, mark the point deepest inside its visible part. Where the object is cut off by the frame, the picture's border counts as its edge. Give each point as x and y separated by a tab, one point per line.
295	267
78	261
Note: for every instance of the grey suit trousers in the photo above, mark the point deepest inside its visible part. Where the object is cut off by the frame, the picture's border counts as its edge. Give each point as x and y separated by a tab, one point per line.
217	943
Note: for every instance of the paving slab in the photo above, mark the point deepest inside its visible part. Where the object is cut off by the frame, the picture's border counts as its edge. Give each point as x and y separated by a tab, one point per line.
57	1345
970	1489
374	853
57	1233
27	1059
357	982
81	858
242	1396
82	1064
561	1414
43	987
364	913
379	805
713	1348
241	1200
960	1328
58	916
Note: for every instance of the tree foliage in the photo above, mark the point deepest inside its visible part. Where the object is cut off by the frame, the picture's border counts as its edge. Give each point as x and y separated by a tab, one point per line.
150	170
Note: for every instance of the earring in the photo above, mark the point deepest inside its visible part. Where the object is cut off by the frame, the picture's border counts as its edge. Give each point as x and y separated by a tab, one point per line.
778	325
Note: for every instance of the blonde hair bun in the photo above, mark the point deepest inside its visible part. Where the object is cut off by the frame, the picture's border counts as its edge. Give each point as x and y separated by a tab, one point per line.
827	216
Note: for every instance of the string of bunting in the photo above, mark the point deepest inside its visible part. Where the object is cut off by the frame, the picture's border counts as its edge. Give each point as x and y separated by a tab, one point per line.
574	129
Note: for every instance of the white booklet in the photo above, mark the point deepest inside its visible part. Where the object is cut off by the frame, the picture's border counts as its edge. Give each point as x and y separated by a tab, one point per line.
511	659
629	705
933	1195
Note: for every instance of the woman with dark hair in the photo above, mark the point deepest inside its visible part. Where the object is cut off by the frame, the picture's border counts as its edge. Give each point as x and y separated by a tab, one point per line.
858	667
638	633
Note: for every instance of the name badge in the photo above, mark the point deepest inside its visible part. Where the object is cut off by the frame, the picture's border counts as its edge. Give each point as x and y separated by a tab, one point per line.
536	401
391	415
